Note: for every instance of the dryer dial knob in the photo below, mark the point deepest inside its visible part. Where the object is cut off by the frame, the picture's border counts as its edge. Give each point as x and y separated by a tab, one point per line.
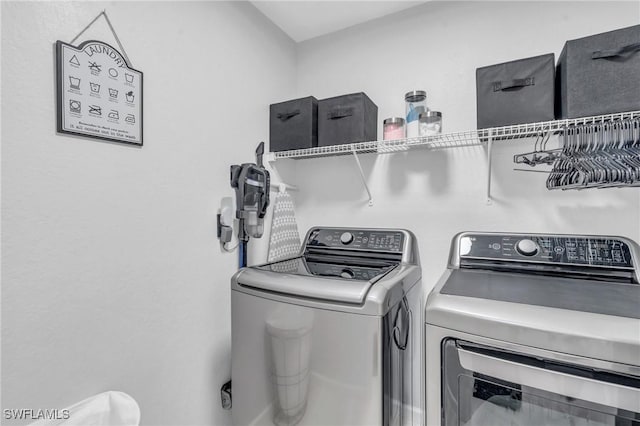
346	238
527	247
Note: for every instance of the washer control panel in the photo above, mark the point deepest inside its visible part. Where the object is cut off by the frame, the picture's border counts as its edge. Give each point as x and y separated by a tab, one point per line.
374	240
582	251
347	272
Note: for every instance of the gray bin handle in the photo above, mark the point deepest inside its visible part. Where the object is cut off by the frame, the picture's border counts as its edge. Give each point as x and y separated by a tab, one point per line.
284	116
512	84
338	113
603	54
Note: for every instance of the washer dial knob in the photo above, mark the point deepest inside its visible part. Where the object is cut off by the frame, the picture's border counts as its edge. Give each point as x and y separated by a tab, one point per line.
347	274
346	238
527	247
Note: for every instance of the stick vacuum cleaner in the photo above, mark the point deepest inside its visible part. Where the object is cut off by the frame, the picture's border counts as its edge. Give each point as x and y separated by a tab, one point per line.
251	184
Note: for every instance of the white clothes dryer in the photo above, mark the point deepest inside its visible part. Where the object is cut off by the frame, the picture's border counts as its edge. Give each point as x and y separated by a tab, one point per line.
532	329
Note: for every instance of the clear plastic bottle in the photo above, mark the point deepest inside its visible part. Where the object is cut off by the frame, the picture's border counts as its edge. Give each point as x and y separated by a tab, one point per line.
415	104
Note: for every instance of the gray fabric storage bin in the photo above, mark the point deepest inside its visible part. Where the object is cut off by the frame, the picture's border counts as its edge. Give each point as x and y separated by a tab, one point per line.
599	74
516	92
293	124
346	119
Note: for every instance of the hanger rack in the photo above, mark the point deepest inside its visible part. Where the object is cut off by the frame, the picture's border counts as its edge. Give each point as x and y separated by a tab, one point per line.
601	155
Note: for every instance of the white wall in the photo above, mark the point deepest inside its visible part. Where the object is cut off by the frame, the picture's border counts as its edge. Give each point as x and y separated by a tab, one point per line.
111	274
112	278
437	47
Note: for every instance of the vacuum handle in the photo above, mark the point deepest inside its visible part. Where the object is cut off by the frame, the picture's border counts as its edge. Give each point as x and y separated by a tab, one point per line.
259	153
264	200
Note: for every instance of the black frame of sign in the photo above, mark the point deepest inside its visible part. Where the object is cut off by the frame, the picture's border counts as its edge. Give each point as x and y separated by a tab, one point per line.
60	97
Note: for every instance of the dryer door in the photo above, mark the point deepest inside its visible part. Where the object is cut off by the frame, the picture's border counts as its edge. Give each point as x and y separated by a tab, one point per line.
489	386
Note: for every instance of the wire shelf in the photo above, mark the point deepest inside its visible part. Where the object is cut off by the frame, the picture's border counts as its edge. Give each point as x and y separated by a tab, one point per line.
452	140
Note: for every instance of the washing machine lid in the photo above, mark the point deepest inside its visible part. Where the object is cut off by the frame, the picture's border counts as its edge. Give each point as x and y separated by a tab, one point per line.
363	269
606	298
584	334
293	277
570	294
342	280
343	268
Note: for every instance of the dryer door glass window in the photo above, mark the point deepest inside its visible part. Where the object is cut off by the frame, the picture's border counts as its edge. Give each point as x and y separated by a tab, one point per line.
487	387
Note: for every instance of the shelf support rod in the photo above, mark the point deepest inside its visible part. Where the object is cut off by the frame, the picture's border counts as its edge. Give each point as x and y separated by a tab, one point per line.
489	146
364	180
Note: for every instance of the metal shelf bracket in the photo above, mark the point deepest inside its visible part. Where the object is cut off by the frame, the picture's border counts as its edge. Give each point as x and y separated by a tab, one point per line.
364	180
489	146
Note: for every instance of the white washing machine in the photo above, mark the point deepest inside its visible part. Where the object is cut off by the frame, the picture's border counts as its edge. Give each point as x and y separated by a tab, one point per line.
535	330
332	336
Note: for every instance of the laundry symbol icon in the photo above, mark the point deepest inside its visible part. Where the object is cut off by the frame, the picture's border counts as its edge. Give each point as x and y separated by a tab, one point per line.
113	72
75	82
94	67
95	109
130	96
95	87
75	106
128	77
113	93
130	118
74	60
114	114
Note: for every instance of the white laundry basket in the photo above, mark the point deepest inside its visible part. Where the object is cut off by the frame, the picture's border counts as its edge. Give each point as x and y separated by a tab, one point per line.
105	409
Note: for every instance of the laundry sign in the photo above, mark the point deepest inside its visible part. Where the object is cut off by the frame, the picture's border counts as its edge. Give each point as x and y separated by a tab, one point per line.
98	94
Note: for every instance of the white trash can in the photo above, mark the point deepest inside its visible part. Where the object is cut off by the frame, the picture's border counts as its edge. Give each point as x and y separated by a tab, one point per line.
105	409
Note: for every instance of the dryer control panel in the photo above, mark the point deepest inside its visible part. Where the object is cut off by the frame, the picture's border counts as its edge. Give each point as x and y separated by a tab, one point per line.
558	250
370	240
